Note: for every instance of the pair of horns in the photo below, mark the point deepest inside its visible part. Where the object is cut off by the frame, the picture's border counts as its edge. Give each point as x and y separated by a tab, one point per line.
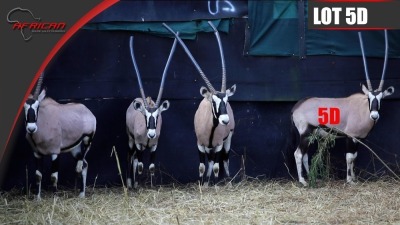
140	79
38	86
365	62
208	83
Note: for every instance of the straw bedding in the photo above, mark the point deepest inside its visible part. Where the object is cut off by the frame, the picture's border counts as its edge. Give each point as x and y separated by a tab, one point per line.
248	202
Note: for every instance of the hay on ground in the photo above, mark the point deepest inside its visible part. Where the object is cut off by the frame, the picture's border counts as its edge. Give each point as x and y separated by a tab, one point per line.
247	202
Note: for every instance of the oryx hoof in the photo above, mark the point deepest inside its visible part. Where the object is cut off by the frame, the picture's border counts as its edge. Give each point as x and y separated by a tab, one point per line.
140	168
82	195
216	169
202	169
136	185
303	182
351	182
129	183
38	198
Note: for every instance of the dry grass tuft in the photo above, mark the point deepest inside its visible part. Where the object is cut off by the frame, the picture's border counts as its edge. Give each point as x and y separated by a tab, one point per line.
247	202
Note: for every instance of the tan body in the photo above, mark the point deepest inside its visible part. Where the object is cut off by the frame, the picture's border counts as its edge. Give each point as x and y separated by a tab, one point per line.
60	126
354	111
203	121
136	126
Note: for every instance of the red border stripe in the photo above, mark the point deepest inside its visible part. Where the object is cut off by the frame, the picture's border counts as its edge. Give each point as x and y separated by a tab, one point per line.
81	22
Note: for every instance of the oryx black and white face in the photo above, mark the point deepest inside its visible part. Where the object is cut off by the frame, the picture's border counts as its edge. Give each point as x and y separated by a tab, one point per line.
374	100
31	108
219	103
151	116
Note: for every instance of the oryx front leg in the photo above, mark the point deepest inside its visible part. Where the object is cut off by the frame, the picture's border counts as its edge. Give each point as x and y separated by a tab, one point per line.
38	174
299	160
216	158
54	171
152	168
202	167
139	155
350	157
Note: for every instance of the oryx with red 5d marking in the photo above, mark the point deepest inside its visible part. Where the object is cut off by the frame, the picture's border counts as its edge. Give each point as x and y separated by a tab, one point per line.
143	123
214	122
358	114
53	128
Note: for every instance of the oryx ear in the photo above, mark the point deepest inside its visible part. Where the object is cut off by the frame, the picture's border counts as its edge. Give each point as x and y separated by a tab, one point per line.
388	91
138	106
231	91
204	92
164	106
365	89
42	95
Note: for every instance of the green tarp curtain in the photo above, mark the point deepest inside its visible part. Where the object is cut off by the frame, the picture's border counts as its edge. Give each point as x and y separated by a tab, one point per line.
187	29
274	31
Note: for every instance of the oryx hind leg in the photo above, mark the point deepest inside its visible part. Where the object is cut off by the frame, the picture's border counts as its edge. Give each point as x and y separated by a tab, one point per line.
225	153
81	164
351	155
131	153
300	154
55	162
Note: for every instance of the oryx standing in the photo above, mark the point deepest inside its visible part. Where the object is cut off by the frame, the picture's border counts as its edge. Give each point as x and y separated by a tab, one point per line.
54	128
213	122
358	114
143	123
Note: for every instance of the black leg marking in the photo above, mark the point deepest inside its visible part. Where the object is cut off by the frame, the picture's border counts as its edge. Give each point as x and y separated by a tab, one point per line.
202	166
38	174
351	147
139	155
130	164
211	161
225	160
152	159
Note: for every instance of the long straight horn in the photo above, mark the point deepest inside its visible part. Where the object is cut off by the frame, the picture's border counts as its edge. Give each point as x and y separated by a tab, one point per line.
137	73
365	62
223	87
210	87
385	62
38	86
165	72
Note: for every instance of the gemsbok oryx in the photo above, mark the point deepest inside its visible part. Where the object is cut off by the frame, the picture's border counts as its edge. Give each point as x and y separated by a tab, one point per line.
143	123
213	122
358	114
53	128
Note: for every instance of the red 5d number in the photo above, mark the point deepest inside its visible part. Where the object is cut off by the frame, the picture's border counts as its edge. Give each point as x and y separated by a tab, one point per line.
328	116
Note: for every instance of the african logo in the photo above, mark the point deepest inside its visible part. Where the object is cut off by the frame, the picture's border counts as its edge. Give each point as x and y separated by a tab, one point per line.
25	21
